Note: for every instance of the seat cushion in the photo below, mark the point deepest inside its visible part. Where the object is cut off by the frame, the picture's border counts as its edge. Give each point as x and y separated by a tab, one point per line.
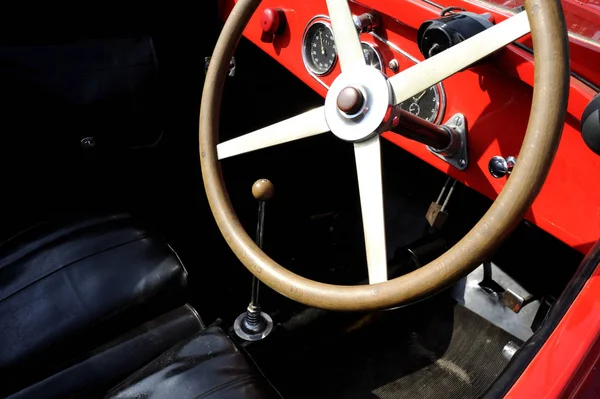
67	287
207	366
112	362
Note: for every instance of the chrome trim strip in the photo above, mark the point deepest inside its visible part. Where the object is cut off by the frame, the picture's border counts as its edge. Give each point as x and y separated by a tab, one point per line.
431	3
395	47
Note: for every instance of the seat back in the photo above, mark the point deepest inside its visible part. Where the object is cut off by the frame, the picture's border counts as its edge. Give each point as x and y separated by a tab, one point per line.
66	288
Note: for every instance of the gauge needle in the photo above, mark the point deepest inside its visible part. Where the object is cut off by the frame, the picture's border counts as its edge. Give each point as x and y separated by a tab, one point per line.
321	37
420	96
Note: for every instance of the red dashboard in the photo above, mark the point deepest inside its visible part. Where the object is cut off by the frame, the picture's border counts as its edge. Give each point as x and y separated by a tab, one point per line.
494	96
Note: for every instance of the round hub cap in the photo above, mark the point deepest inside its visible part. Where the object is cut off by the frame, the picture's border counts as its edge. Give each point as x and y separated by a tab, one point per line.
357	103
350	101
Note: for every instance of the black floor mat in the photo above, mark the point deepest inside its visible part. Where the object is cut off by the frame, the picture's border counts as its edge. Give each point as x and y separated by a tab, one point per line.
436	349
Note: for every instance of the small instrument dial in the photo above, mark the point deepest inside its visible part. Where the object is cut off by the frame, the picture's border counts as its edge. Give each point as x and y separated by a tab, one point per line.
372	56
425	105
319	54
319	48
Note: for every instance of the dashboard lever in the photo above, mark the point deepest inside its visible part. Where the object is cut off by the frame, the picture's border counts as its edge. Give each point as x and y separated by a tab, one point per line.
254	324
367	22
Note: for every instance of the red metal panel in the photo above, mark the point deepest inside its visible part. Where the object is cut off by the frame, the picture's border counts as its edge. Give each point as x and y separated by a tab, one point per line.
495	98
583	16
564	366
582	19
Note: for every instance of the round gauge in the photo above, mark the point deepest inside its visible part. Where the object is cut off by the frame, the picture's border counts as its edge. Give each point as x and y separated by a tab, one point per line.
425	105
319	51
372	56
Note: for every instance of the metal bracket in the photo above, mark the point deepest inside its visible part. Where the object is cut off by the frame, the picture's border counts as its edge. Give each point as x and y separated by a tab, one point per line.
456	154
232	66
482	292
251	326
88	142
437	215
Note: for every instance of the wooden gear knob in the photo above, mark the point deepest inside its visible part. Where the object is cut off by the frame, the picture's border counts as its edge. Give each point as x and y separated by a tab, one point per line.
263	190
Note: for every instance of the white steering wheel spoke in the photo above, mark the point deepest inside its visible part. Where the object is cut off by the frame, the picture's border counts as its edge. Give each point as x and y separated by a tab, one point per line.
368	168
347	43
308	124
445	64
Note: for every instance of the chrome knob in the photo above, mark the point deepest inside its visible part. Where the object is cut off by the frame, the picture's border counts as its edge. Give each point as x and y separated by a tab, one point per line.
500	167
366	23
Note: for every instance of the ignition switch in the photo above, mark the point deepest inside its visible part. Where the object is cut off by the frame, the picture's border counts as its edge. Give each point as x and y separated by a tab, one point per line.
437	35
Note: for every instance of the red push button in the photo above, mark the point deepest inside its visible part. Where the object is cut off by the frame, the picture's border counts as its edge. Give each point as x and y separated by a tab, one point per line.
272	21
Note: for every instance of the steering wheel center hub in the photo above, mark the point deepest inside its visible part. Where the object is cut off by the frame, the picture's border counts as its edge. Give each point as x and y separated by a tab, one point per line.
357	104
351	101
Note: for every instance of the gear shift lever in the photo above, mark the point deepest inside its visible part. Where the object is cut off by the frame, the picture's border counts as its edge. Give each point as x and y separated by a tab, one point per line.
253	324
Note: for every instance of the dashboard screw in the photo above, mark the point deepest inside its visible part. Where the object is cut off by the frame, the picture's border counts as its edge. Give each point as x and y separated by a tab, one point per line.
458	121
394	66
88	142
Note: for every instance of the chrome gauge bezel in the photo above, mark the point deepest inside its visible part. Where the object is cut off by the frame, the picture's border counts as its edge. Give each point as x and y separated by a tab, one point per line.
321	20
441	97
325	20
439	88
377	54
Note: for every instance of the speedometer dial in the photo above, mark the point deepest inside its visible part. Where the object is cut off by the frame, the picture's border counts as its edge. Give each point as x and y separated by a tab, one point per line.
319	52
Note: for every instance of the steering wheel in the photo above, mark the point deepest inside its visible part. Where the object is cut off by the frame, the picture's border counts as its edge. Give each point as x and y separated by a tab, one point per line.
357	110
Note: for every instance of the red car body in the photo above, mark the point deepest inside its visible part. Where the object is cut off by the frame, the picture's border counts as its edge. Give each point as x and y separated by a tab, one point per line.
563	360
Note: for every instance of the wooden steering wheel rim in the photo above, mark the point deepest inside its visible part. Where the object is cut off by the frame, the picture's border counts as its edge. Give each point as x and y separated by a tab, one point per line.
539	146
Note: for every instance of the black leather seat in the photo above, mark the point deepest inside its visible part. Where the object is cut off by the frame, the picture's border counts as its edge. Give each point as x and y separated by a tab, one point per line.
98	371
67	288
86	303
207	366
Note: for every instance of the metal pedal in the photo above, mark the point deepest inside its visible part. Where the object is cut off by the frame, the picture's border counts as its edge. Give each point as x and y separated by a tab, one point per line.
514	301
436	214
436	217
494	295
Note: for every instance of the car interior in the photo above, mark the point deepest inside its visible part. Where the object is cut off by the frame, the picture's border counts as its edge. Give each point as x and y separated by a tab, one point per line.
134	263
